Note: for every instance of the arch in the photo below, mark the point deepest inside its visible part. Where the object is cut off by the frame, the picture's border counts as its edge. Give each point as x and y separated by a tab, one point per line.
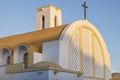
5	56
67	32
25	58
19	52
66	37
43	22
55	21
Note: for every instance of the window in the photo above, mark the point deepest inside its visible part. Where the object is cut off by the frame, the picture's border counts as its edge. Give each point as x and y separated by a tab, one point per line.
43	22
26	60
55	21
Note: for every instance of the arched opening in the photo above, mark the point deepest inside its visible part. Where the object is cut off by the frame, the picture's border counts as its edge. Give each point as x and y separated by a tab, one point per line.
55	21
19	53
26	60
5	56
43	22
8	60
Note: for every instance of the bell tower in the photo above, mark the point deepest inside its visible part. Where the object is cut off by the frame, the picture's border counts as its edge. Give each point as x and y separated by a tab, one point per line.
47	17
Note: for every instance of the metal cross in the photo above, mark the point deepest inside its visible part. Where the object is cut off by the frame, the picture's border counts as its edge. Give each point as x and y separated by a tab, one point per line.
85	7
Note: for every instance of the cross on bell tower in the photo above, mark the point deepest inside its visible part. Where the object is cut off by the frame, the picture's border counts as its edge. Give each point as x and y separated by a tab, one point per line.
85	7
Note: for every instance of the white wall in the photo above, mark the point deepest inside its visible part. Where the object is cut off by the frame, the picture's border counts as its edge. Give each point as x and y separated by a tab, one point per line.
63	61
37	57
51	51
35	75
2	72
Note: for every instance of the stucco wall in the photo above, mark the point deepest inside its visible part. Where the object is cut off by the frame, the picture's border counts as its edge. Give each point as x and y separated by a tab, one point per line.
35	75
37	57
51	51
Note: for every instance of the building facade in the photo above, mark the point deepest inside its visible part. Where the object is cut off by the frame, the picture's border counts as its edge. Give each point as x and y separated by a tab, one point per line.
74	51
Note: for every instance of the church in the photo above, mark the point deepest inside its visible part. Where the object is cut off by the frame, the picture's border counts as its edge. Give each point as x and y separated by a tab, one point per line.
55	51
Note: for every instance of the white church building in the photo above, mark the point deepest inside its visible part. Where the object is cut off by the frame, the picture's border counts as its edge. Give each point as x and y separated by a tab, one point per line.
54	51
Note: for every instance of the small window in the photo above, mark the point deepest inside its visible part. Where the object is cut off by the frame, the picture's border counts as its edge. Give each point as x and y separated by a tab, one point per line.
43	22
26	60
55	21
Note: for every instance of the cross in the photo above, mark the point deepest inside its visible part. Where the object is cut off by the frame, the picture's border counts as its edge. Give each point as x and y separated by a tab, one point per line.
85	7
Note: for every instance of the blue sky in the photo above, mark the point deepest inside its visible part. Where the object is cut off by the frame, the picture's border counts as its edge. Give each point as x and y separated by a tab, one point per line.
18	16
